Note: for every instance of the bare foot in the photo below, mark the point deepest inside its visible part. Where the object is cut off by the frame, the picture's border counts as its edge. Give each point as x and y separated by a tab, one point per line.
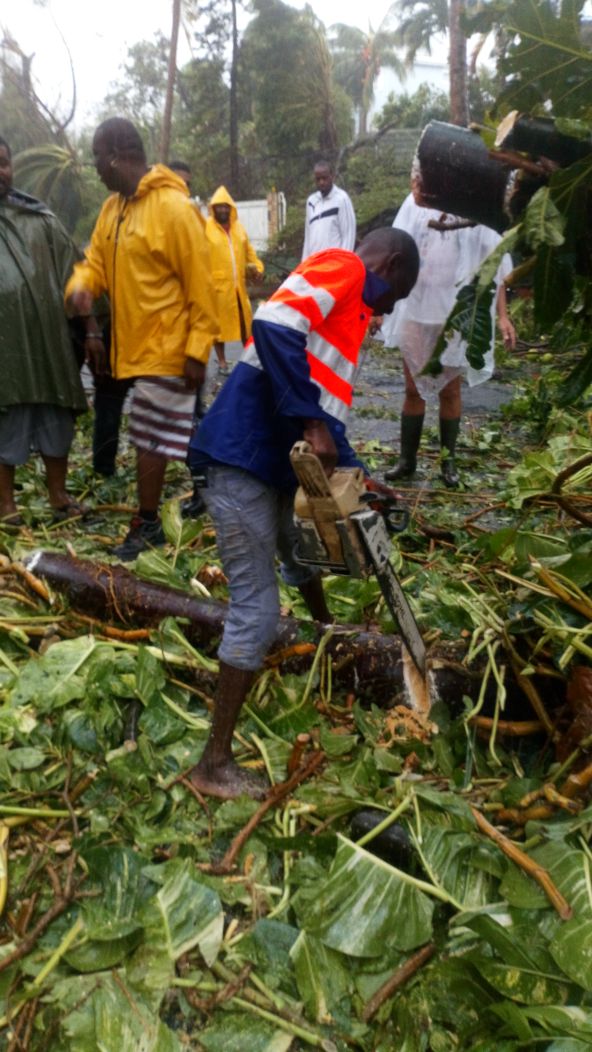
227	781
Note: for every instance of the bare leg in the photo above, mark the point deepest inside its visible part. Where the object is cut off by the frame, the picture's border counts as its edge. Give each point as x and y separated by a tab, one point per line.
56	469
450	400
450	410
414	405
219	349
151	469
7	505
217	774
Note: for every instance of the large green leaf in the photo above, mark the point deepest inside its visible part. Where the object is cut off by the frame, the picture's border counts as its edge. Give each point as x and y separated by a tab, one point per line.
577	382
490	266
571	945
322	977
455	857
102	1013
552	1020
56	678
554	277
543	223
366	906
470	318
239	1032
545	59
183	914
525	985
112	928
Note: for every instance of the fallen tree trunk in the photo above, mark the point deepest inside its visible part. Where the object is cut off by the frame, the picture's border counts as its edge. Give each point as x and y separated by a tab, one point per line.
369	662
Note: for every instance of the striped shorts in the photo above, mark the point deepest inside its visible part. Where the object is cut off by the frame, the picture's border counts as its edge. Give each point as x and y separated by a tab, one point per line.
161	416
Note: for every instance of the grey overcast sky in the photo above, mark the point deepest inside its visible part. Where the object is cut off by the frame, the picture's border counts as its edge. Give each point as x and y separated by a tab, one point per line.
99	34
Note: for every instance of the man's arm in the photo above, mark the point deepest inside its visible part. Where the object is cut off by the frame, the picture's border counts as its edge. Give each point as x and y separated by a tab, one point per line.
88	280
86	283
347	223
505	326
255	266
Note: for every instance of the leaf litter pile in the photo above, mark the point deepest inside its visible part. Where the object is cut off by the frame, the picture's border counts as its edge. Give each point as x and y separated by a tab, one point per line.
414	881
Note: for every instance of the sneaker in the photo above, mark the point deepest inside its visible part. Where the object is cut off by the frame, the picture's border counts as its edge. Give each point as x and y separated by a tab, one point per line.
142	534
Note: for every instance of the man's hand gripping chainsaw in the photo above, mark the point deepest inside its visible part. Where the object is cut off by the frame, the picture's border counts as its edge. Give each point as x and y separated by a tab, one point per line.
345	529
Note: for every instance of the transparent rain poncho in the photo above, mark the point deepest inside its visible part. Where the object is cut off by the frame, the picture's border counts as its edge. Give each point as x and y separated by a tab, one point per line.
448	260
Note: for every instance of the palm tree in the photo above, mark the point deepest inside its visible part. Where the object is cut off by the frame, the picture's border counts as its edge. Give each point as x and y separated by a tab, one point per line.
358	58
420	21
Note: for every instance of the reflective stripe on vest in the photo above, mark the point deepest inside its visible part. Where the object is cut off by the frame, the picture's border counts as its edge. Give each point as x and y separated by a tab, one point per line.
335	404
314	301
249	355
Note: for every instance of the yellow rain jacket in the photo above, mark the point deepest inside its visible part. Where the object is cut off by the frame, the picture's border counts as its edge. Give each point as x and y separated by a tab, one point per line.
232	255
150	254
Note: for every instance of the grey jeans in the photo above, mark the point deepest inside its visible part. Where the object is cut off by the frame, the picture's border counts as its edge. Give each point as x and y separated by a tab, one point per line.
253	521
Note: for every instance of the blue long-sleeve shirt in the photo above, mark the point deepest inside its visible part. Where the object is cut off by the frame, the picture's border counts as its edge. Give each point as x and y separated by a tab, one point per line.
259	414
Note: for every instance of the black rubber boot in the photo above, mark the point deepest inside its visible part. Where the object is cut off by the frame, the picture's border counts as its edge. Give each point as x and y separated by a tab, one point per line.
448	435
411	428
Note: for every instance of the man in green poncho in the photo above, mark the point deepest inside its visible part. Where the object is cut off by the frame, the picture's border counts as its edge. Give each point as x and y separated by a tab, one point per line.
41	391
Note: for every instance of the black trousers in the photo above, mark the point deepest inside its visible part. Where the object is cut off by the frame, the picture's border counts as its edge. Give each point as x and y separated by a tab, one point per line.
110	395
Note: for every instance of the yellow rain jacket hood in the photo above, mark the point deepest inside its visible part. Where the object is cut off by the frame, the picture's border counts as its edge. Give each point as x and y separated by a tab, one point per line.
233	258
150	254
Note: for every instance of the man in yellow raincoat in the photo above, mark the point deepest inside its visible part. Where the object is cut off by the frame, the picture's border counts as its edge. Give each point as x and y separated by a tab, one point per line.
233	259
149	253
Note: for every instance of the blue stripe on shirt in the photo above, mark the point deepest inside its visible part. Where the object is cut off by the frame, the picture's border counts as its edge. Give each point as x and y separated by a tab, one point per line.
259	413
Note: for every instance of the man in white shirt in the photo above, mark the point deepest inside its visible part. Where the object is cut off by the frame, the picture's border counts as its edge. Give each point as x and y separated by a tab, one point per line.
329	220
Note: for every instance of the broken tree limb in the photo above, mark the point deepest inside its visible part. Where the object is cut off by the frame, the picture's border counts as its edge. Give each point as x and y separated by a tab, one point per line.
538	136
398	979
367	661
521	859
457	175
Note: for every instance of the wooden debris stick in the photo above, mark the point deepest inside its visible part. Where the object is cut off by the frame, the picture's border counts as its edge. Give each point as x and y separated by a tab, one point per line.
562	500
298	749
279	792
32	581
524	862
512	728
296	650
577	783
59	906
124	635
578	601
530	690
551	794
398	979
536	813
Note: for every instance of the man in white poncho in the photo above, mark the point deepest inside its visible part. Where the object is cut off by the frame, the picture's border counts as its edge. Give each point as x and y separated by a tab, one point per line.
448	261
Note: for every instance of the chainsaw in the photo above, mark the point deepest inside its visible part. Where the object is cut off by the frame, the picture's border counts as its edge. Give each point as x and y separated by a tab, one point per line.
345	529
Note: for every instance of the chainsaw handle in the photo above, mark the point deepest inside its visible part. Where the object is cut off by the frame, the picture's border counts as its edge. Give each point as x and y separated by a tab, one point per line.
396	519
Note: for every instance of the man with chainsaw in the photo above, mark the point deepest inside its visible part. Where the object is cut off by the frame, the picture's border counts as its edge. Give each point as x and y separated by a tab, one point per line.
294	381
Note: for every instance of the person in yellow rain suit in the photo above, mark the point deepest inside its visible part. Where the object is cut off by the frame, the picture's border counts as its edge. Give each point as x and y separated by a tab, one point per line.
148	251
233	259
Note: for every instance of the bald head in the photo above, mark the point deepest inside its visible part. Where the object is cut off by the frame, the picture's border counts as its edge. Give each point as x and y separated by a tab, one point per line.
119	155
122	137
392	255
